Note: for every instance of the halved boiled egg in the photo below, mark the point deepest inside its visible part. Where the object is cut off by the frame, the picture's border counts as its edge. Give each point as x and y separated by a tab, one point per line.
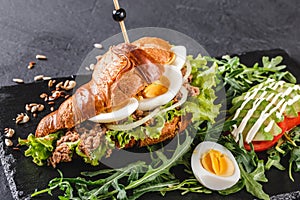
214	166
173	84
117	115
172	81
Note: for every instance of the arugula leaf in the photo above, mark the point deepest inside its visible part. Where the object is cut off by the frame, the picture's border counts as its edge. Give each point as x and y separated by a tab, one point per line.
251	184
274	160
111	187
246	158
259	172
294	161
238	78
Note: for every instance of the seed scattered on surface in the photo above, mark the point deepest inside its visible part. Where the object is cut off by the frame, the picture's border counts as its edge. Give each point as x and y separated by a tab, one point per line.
34	115
98	46
51	83
92	67
18	80
8	142
43	95
31	65
67	96
51	102
46	78
55	95
87	69
38	77
22	118
9	132
41	57
66	83
34	107
40	107
71	85
52	108
58	85
27	107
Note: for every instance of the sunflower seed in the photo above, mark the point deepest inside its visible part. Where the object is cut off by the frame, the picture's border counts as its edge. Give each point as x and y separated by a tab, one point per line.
87	69
22	118
52	108
92	67
34	115
66	83
43	95
18	80
27	107
58	85
8	142
41	57
31	65
33	109
9	132
51	102
40	107
38	77
71	85
46	78
98	46
56	95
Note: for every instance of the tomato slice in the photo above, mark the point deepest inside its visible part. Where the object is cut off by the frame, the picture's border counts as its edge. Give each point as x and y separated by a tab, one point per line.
286	125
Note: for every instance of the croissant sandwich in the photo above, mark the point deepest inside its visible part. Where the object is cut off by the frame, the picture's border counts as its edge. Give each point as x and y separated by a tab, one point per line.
139	94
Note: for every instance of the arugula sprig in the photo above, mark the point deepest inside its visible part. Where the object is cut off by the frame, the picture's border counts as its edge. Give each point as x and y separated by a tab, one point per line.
114	185
288	145
239	78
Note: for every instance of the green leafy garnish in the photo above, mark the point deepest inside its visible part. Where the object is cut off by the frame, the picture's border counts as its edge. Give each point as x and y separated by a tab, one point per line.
40	148
239	78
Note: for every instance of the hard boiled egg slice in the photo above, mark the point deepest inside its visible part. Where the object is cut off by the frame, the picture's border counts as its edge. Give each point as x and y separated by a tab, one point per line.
117	115
180	52
173	84
214	166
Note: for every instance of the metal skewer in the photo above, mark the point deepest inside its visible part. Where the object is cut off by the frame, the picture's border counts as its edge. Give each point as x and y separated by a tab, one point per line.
119	10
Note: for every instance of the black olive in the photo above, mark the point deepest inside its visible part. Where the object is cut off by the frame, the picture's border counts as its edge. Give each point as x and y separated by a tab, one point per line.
119	15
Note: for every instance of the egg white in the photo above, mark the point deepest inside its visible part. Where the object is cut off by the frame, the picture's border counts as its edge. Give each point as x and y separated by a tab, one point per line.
117	115
208	179
174	75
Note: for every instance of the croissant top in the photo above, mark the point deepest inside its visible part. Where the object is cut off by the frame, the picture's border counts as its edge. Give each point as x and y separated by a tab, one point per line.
122	72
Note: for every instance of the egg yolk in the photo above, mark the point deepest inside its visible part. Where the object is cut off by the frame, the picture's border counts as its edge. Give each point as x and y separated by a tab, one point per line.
155	89
217	163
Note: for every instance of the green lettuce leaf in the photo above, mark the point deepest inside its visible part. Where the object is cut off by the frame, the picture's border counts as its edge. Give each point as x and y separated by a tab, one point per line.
40	148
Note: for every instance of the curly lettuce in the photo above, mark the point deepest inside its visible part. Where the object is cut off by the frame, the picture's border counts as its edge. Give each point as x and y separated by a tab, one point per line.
40	148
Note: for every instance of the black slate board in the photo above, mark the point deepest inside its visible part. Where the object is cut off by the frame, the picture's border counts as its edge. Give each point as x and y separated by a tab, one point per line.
24	176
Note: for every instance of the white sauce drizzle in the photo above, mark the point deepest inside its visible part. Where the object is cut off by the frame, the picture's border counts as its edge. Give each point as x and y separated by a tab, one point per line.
250	112
270	125
264	114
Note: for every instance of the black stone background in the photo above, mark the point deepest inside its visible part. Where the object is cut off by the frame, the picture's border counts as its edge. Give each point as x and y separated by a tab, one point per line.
65	31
